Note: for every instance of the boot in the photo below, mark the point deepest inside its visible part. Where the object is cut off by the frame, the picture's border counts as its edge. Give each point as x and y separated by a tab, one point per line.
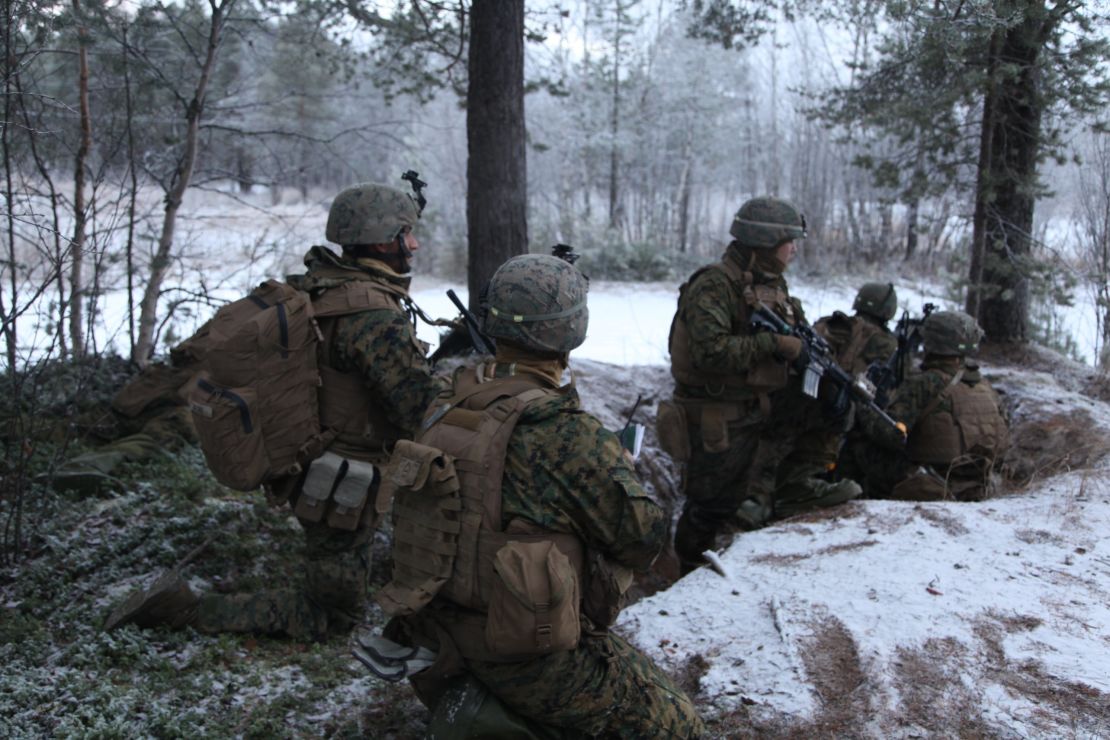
807	494
168	601
690	541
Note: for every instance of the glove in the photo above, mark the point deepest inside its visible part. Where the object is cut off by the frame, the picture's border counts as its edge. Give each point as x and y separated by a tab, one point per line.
789	349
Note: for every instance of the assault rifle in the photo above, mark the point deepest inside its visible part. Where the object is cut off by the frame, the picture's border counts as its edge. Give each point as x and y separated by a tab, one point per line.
483	344
820	360
886	376
465	334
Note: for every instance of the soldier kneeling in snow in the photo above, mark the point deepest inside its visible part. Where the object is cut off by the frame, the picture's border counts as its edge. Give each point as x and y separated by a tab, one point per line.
517	523
954	430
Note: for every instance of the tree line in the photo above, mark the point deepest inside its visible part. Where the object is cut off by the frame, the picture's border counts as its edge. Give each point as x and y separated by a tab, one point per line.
914	134
919	137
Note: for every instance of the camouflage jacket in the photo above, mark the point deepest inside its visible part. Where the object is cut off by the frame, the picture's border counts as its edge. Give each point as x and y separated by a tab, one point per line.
380	345
857	340
566	473
916	399
715	333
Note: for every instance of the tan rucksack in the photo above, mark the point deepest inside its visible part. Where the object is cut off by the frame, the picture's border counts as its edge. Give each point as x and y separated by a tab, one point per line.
521	584
256	403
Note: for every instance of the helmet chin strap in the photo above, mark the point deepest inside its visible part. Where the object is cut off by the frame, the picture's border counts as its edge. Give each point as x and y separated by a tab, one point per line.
402	248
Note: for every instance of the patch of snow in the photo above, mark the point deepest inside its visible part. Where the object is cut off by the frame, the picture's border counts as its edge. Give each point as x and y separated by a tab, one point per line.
1007	597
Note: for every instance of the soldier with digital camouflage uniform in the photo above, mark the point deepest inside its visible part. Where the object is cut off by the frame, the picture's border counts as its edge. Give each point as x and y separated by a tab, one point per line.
738	405
371	361
857	341
518	520
954	429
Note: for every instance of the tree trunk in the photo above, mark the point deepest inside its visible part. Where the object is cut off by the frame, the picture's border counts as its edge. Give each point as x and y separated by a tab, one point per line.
614	131
148	314
77	248
132	199
496	173
684	198
911	227
8	315
998	293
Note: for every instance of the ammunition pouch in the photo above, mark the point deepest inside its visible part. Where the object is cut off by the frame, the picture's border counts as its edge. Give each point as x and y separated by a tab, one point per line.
673	431
335	489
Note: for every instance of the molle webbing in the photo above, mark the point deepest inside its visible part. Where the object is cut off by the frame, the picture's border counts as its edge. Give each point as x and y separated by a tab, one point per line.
972	426
446	489
768	375
478	445
351	414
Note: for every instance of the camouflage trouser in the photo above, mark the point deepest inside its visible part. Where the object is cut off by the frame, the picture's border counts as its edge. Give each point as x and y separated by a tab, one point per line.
804	479
605	688
889	474
876	468
330	601
737	488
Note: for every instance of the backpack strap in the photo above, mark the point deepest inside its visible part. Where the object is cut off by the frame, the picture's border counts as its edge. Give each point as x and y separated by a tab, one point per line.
355	296
942	395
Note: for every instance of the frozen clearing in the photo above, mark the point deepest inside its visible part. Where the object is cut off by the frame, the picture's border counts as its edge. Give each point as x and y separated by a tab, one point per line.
884	618
629	322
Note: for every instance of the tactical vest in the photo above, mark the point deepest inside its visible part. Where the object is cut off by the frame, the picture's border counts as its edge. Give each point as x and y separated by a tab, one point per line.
362	429
848	336
767	376
973	429
515	589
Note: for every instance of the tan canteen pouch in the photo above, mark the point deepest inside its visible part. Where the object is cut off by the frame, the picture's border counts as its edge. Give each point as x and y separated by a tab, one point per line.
336	488
534	604
670	426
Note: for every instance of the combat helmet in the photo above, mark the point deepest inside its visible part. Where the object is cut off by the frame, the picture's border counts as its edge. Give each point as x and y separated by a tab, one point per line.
765	223
877	300
952	333
538	302
369	213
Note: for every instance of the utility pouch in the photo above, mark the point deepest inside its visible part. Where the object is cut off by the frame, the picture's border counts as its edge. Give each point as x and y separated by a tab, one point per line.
227	419
673	432
336	488
714	427
349	498
604	592
323	474
534	602
421	486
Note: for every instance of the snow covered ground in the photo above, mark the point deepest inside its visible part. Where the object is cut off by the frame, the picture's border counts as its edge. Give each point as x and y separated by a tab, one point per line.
878	619
902	619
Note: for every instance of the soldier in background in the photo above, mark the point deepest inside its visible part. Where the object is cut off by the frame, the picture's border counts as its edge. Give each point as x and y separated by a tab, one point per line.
372	361
738	404
954	429
807	475
515	594
148	417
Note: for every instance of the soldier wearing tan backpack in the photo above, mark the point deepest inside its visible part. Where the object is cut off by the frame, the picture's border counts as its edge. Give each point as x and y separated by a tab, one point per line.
307	386
517	523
